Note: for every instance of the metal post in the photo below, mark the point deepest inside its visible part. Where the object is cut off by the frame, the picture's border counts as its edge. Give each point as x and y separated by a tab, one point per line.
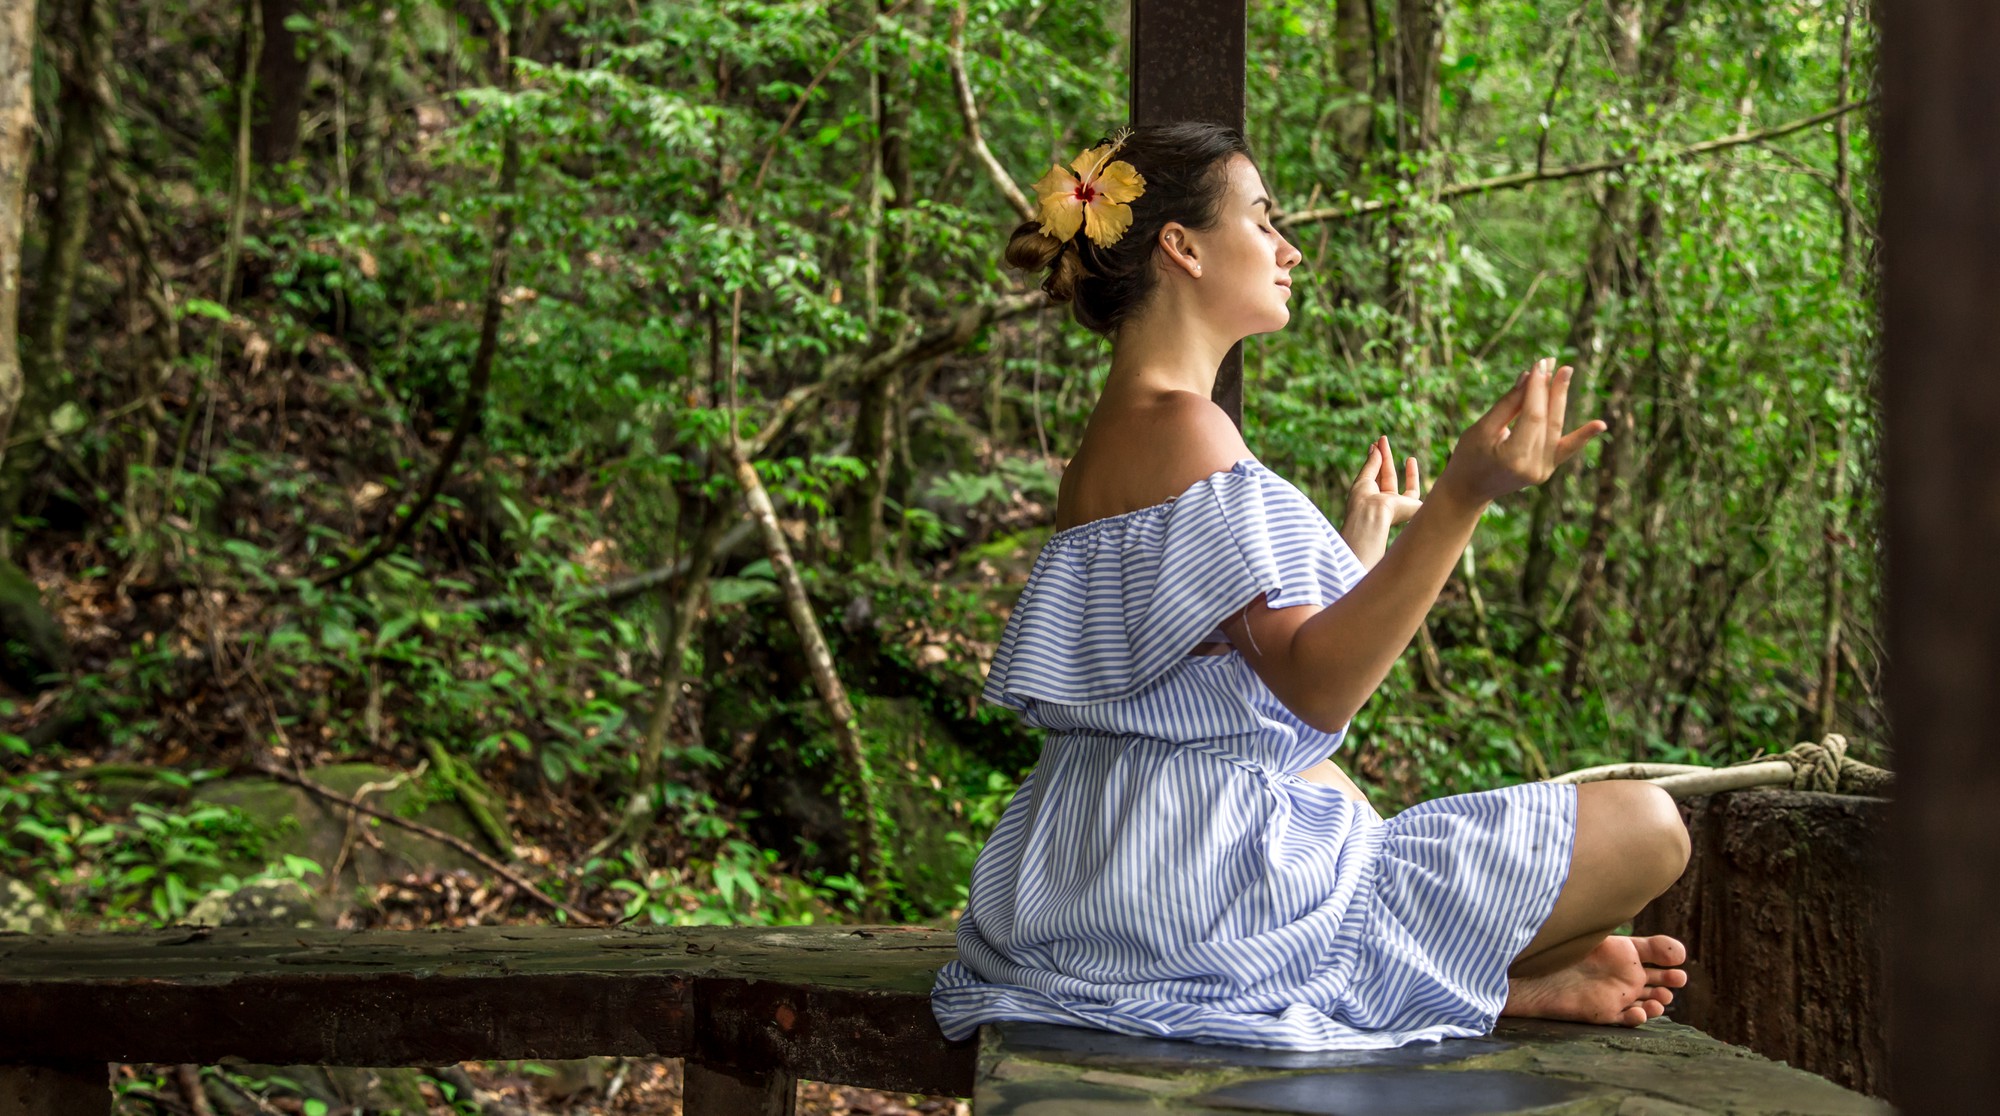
1187	64
1941	329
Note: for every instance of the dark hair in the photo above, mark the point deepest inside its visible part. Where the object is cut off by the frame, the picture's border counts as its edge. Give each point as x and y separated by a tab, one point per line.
1183	164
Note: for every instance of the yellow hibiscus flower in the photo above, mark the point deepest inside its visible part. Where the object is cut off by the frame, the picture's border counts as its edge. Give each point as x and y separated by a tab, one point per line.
1096	198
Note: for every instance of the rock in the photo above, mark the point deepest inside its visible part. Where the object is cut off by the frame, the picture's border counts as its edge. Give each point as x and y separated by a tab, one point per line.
266	902
1524	1066
298	823
32	646
22	912
931	865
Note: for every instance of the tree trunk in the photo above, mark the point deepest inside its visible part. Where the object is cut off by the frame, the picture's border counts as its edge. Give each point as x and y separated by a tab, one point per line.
1646	62
1826	707
79	109
1412	239
17	130
862	529
1354	54
281	86
1419	49
1784	894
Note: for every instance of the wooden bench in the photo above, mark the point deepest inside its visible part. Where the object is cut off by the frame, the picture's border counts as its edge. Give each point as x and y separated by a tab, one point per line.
752	1010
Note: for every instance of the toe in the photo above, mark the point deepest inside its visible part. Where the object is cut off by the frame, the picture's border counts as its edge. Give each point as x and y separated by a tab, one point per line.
1632	1016
1666	978
1657	995
1654	1008
1660	950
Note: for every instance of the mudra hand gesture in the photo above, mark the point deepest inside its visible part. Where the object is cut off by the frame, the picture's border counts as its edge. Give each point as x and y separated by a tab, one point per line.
1375	504
1520	441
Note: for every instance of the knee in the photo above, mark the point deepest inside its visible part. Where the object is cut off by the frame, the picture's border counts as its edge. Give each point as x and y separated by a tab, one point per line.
1643	825
1657	820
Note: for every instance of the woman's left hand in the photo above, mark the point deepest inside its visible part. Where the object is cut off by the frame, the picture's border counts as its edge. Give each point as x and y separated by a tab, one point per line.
1375	504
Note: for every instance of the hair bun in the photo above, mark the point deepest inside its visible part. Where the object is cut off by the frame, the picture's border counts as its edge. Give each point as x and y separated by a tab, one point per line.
1067	273
1031	249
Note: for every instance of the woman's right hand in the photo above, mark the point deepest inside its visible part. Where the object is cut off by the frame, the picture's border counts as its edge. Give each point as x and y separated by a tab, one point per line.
1520	441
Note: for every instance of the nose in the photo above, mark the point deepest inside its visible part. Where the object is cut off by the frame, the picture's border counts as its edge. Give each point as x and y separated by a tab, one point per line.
1289	250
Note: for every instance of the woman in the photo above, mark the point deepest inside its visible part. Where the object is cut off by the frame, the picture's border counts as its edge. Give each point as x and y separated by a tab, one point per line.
1185	860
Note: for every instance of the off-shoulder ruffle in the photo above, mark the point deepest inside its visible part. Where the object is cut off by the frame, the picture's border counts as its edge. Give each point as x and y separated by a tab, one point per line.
1111	605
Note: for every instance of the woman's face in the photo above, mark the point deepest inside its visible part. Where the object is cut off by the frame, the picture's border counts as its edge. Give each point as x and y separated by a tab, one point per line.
1245	262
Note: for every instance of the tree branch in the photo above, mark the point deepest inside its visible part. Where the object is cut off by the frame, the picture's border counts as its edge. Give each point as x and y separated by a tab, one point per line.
826	679
969	107
1358	208
936	340
613	592
523	883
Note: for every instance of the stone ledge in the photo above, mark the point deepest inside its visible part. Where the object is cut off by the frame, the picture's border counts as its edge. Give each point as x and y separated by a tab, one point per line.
1558	1069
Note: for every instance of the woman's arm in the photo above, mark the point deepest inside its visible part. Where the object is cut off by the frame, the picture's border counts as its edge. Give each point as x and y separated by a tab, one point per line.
1322	663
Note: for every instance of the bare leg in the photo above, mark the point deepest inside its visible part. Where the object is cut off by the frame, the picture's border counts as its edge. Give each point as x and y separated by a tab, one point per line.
1630	847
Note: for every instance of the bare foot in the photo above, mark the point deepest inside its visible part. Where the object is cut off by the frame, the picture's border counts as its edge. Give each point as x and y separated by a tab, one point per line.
1624	981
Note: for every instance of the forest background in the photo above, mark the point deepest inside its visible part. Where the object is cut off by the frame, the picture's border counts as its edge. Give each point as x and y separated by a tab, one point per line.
605	431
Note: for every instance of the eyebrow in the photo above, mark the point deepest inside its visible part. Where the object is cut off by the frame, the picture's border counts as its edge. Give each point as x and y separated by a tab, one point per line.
1265	202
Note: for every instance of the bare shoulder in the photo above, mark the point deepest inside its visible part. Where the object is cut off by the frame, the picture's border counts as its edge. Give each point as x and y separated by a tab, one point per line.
1147	451
1201	435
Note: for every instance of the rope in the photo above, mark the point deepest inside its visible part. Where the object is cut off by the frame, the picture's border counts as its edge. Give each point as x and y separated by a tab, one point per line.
1824	767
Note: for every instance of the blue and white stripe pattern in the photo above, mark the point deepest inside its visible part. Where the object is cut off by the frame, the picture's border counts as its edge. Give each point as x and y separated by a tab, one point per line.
1163	873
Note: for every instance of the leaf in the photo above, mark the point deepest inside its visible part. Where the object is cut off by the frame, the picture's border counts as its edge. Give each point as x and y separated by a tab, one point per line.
302	866
395	628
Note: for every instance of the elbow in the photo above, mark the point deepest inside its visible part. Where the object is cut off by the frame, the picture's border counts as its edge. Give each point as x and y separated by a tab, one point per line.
1328	725
1326	717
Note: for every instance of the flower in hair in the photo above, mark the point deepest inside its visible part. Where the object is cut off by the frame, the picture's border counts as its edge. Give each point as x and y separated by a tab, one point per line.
1095	198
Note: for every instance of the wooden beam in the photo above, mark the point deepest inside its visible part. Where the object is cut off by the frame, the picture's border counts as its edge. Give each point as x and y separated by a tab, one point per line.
1188	64
844	1004
1940	170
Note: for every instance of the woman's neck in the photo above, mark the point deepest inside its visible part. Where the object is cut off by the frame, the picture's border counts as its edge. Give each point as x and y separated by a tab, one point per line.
1167	348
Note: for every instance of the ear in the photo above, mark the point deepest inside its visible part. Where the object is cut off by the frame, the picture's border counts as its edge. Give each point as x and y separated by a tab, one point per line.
1178	249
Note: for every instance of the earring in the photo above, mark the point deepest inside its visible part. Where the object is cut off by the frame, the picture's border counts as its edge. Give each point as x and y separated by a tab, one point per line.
1197	269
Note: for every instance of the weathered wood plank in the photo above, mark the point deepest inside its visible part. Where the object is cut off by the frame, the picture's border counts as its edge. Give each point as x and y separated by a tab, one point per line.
1784	912
708	1091
75	1089
840	1004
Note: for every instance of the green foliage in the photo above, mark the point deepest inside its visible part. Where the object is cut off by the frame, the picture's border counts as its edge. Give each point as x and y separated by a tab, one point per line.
710	239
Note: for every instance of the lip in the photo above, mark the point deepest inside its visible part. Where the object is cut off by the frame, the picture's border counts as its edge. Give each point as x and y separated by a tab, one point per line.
1285	283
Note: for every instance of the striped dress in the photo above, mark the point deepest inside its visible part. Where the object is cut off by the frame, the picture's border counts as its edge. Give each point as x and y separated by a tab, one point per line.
1162	872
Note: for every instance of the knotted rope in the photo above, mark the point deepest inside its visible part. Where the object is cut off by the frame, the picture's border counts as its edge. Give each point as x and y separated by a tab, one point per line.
1824	767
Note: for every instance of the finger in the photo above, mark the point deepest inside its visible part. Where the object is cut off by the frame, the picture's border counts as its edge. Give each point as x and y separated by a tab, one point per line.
1410	478
1559	397
1369	466
1508	406
1387	477
1575	440
1535	408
